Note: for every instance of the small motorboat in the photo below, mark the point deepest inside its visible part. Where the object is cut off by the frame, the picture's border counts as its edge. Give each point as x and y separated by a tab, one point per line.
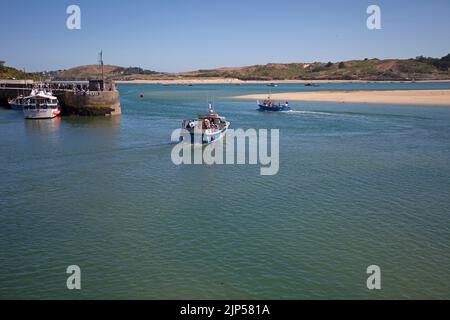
209	128
40	105
269	105
16	103
272	85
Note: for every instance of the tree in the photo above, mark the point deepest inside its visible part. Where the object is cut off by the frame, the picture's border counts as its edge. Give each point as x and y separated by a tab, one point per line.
446	58
443	63
341	65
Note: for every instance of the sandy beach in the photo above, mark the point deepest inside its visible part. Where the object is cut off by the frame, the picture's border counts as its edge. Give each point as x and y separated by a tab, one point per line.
418	97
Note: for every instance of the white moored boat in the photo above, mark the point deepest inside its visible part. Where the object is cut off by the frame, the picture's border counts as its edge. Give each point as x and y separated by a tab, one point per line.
40	105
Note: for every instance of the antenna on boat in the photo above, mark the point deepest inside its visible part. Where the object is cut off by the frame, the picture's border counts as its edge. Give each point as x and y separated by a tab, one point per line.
210	102
210	107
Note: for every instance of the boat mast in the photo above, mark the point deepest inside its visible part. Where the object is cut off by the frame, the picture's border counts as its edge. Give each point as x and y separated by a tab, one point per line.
101	65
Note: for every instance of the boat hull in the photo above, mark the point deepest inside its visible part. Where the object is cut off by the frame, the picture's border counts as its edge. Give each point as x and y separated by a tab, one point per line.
275	108
40	113
210	138
16	106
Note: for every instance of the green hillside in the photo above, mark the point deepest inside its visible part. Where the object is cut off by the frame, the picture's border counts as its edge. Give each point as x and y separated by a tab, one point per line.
94	71
12	73
420	68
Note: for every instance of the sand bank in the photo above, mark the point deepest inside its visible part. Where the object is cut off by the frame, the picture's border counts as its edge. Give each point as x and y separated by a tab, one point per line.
422	97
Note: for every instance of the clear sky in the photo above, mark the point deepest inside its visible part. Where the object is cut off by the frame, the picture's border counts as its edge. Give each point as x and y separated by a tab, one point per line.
181	35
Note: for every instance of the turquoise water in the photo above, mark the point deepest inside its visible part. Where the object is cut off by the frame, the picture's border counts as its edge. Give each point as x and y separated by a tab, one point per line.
358	185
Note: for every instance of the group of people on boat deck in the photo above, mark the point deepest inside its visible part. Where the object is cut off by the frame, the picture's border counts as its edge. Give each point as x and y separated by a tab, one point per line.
212	124
270	103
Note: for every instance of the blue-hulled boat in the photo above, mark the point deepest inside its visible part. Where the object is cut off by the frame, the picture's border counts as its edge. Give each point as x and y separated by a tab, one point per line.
209	127
19	102
269	105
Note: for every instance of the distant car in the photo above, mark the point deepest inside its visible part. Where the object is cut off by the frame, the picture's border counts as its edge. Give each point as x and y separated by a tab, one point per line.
13	79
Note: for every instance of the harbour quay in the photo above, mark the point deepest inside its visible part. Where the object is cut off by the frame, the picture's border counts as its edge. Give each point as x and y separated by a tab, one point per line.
88	98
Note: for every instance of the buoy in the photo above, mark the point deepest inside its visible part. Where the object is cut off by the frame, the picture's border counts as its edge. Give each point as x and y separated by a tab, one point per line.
141	95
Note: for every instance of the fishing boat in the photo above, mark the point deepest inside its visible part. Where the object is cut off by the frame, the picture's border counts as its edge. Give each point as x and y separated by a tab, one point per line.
270	105
206	129
40	105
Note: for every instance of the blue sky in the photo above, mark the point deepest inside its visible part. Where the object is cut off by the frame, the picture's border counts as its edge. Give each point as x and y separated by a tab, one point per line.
175	35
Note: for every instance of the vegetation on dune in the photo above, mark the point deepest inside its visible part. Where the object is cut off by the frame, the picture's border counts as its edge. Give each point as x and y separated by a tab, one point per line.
442	64
94	71
13	73
367	69
420	68
132	70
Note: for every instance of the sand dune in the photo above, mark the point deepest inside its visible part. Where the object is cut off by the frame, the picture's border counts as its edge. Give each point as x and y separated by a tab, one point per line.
419	97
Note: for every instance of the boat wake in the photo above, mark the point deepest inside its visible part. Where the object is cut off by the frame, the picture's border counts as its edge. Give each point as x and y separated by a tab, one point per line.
353	114
337	115
321	113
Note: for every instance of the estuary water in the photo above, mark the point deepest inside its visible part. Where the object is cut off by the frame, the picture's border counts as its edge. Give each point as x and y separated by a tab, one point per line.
358	185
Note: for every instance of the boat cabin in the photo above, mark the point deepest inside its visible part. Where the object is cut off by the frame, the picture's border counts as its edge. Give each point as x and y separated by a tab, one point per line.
40	100
212	121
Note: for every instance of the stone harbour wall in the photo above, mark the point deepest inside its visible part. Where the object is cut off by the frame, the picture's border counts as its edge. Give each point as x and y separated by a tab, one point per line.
93	103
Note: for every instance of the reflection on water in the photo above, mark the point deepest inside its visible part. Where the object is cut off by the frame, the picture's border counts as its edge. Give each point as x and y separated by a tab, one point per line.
93	122
42	125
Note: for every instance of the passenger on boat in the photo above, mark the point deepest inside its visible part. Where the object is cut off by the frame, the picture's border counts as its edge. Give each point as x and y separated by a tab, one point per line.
191	125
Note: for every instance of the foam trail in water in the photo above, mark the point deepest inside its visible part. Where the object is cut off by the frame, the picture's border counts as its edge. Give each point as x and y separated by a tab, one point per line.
313	112
355	114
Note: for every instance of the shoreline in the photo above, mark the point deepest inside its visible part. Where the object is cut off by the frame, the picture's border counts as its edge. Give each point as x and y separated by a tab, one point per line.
237	81
409	97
